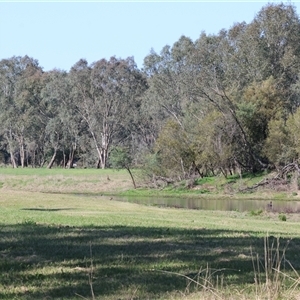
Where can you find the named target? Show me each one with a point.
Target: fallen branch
(279, 178)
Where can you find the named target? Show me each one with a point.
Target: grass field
(88, 181)
(63, 236)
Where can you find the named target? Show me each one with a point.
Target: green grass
(62, 232)
(45, 243)
(95, 181)
(54, 171)
(65, 180)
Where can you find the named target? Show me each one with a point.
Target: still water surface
(287, 206)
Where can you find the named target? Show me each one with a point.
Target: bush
(282, 217)
(256, 212)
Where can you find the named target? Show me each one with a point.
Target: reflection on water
(219, 204)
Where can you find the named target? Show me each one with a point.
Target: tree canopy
(224, 102)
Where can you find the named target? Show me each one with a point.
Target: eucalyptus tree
(282, 146)
(31, 84)
(9, 72)
(278, 146)
(176, 157)
(245, 73)
(106, 94)
(244, 69)
(278, 34)
(64, 128)
(19, 98)
(54, 109)
(173, 77)
(216, 84)
(166, 97)
(165, 72)
(267, 46)
(190, 70)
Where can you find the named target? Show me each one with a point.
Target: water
(286, 206)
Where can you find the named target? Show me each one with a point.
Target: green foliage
(211, 144)
(293, 127)
(174, 153)
(210, 180)
(256, 212)
(277, 146)
(282, 217)
(260, 103)
(119, 158)
(152, 165)
(282, 145)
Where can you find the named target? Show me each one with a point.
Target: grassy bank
(64, 180)
(94, 181)
(67, 242)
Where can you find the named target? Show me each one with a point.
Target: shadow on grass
(46, 209)
(40, 261)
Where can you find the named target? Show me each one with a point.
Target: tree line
(224, 103)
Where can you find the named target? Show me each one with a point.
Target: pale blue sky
(59, 34)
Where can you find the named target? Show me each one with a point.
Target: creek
(227, 204)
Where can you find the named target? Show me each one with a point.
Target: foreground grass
(63, 236)
(55, 246)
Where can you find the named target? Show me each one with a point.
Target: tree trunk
(13, 160)
(71, 158)
(12, 157)
(52, 159)
(100, 163)
(104, 145)
(103, 160)
(33, 159)
(133, 181)
(22, 155)
(9, 139)
(64, 159)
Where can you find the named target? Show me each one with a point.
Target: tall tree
(19, 99)
(64, 128)
(105, 94)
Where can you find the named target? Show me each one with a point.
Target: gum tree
(105, 95)
(20, 86)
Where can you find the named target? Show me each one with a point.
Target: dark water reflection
(287, 206)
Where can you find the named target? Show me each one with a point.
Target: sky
(58, 34)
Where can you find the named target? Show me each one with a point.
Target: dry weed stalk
(203, 280)
(268, 276)
(90, 276)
